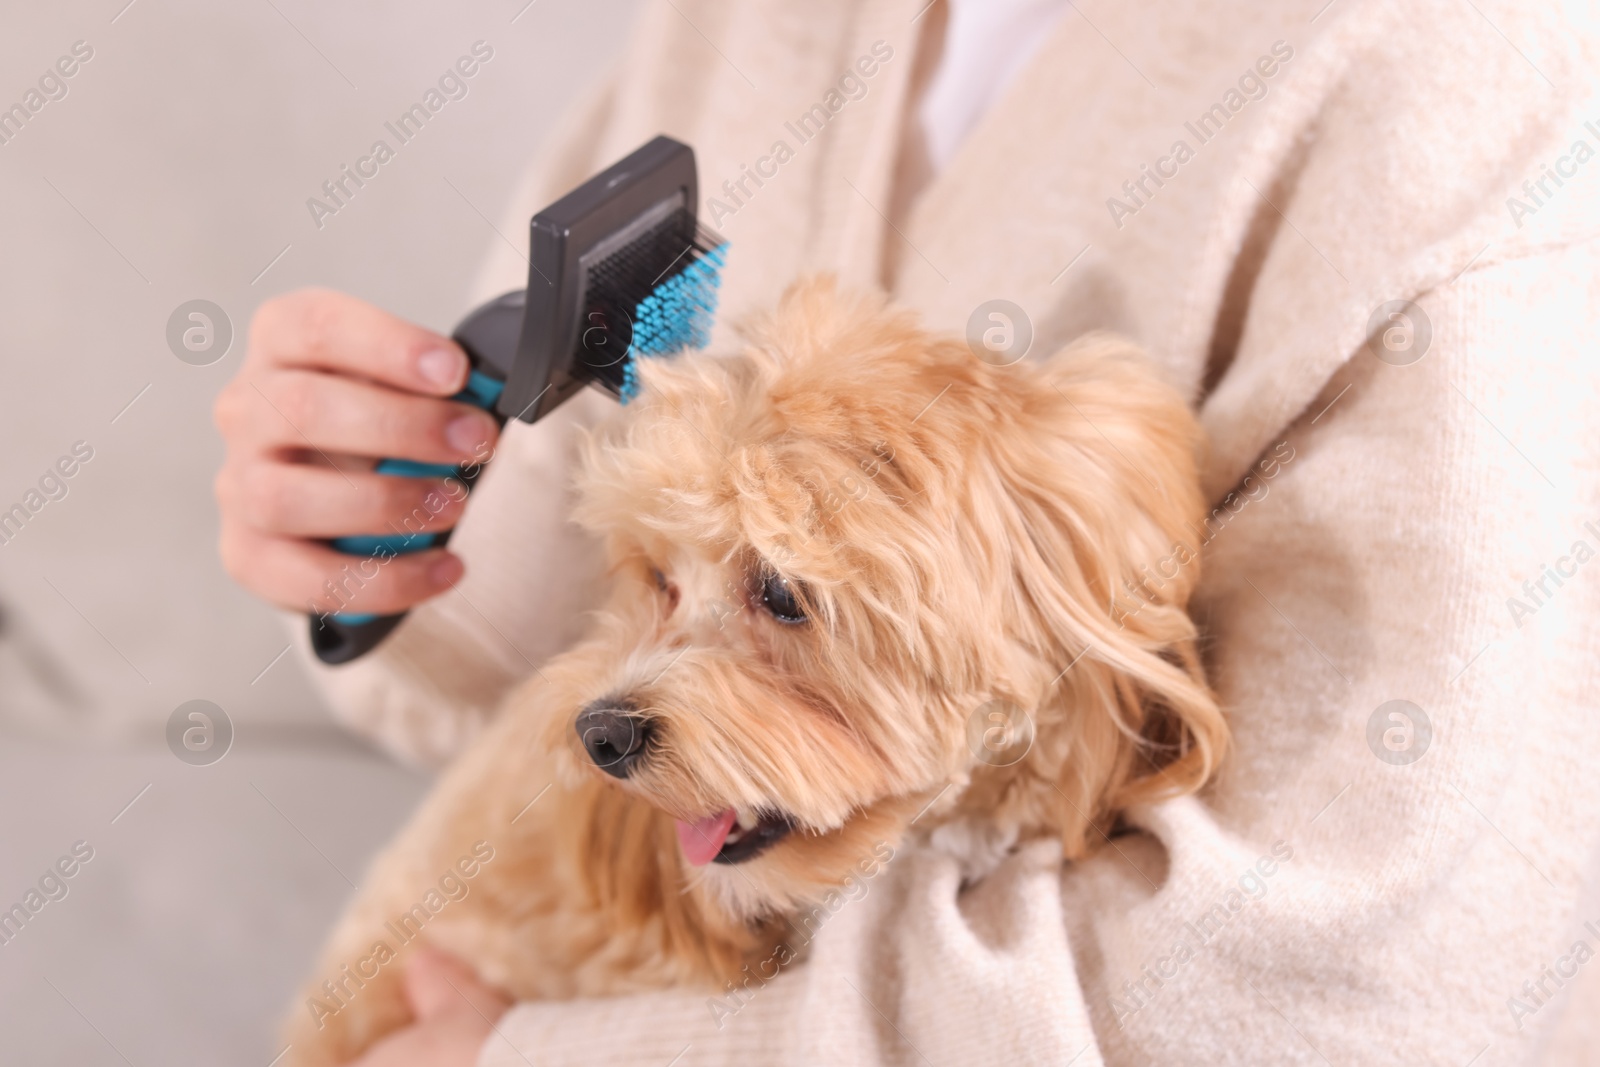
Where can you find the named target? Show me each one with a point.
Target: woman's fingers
(455, 1014)
(309, 576)
(437, 984)
(318, 329)
(329, 376)
(302, 500)
(297, 409)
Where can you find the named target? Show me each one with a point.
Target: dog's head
(863, 578)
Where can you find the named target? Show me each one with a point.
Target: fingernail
(441, 366)
(447, 571)
(469, 433)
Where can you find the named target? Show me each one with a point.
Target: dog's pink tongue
(703, 838)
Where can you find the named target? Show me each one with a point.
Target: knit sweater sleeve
(901, 968)
(1373, 879)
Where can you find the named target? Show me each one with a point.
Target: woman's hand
(455, 1015)
(329, 385)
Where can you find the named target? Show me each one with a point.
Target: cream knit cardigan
(1321, 904)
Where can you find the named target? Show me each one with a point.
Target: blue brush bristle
(677, 315)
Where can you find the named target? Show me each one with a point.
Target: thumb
(438, 984)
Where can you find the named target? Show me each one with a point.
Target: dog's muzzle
(614, 736)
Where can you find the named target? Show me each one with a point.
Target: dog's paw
(977, 845)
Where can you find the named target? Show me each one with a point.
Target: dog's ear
(1099, 509)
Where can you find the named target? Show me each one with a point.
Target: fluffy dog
(860, 580)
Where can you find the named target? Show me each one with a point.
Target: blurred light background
(177, 167)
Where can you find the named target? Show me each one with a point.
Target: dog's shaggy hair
(954, 534)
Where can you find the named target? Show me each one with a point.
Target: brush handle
(489, 337)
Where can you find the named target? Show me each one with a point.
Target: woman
(1363, 239)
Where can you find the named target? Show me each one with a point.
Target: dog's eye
(666, 587)
(779, 597)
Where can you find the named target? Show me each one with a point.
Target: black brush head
(596, 255)
(669, 259)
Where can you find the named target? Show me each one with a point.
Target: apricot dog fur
(952, 537)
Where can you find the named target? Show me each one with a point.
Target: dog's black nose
(614, 736)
